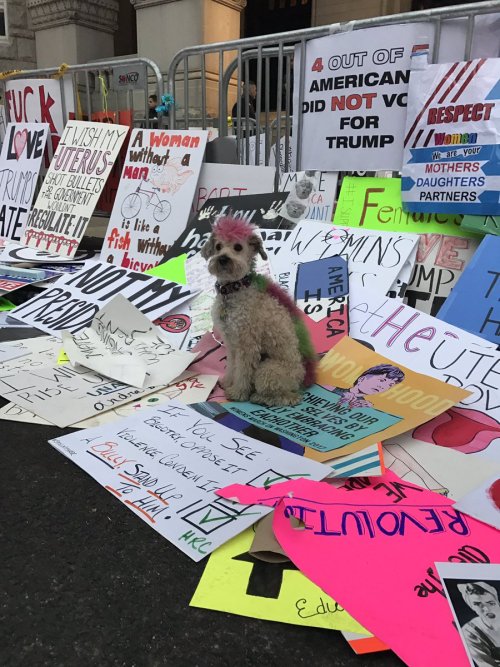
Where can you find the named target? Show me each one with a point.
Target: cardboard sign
(20, 161)
(369, 461)
(237, 582)
(230, 180)
(74, 299)
(474, 303)
(374, 258)
(166, 463)
(261, 210)
(40, 101)
(364, 398)
(72, 185)
(320, 200)
(443, 351)
(189, 389)
(473, 591)
(451, 162)
(355, 93)
(322, 293)
(154, 196)
(19, 254)
(483, 502)
(122, 344)
(375, 203)
(486, 224)
(357, 533)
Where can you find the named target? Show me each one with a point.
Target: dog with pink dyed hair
(270, 358)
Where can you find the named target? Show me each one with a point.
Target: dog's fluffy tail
(309, 357)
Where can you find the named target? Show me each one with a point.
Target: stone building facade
(17, 39)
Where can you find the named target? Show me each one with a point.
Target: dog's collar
(230, 288)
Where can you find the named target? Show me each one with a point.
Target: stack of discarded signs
(389, 468)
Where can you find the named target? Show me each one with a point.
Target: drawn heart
(20, 139)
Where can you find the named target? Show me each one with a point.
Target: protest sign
(379, 522)
(262, 210)
(443, 351)
(19, 254)
(33, 352)
(230, 180)
(364, 643)
(451, 162)
(319, 200)
(20, 162)
(63, 395)
(474, 301)
(154, 196)
(40, 101)
(236, 582)
(166, 464)
(437, 469)
(363, 463)
(284, 164)
(122, 344)
(375, 203)
(485, 224)
(322, 293)
(187, 389)
(483, 502)
(8, 353)
(72, 185)
(374, 258)
(12, 279)
(75, 298)
(364, 398)
(473, 591)
(355, 95)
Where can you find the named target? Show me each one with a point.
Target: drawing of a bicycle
(132, 204)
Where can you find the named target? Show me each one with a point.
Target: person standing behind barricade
(246, 111)
(152, 104)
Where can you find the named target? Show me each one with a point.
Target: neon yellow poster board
(173, 270)
(375, 203)
(62, 358)
(231, 583)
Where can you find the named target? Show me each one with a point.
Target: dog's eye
(238, 247)
(218, 247)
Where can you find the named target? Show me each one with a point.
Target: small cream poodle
(270, 358)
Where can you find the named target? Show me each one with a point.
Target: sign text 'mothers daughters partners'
(74, 181)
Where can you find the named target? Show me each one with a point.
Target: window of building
(3, 19)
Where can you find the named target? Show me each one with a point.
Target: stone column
(73, 31)
(167, 26)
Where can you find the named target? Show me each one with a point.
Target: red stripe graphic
(454, 82)
(428, 138)
(419, 134)
(469, 79)
(424, 108)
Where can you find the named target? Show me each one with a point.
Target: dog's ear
(209, 248)
(255, 242)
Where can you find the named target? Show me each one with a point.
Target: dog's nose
(223, 260)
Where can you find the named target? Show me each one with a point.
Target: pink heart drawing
(20, 139)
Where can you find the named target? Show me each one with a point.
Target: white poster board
(165, 464)
(72, 185)
(355, 95)
(154, 196)
(20, 161)
(231, 180)
(320, 200)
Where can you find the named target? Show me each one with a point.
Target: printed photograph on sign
(318, 201)
(473, 592)
(452, 137)
(20, 161)
(355, 96)
(72, 185)
(154, 197)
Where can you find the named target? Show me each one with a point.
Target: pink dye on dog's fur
(229, 229)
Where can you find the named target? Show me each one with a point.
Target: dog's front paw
(234, 393)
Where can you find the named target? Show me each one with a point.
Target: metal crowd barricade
(232, 61)
(88, 92)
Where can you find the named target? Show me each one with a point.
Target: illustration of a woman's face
(487, 608)
(374, 384)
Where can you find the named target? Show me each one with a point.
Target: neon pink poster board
(371, 545)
